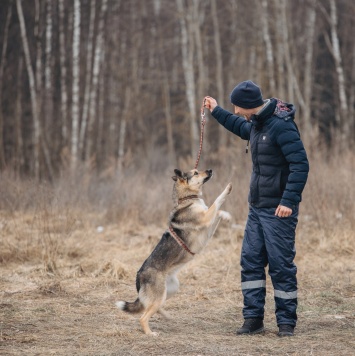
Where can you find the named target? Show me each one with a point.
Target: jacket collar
(265, 113)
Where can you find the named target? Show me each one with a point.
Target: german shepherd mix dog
(191, 225)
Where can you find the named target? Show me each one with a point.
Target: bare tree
(286, 49)
(280, 58)
(31, 79)
(75, 85)
(38, 67)
(95, 78)
(351, 115)
(308, 75)
(268, 45)
(48, 68)
(219, 70)
(100, 117)
(90, 61)
(335, 47)
(2, 66)
(202, 70)
(113, 80)
(123, 127)
(187, 49)
(166, 98)
(63, 75)
(88, 70)
(19, 158)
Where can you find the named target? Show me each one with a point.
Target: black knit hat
(247, 95)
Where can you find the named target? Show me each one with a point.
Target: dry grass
(69, 251)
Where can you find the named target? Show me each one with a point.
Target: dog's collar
(188, 198)
(179, 241)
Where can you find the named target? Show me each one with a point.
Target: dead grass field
(69, 309)
(61, 275)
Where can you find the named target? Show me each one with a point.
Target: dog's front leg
(221, 215)
(212, 213)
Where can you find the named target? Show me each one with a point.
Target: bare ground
(60, 278)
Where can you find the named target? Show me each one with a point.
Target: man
(280, 170)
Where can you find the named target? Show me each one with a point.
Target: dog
(191, 225)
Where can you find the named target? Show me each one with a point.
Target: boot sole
(258, 331)
(283, 334)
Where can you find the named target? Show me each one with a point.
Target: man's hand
(283, 211)
(209, 103)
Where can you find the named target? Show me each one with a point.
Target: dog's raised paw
(225, 215)
(229, 188)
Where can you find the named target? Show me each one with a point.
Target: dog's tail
(129, 307)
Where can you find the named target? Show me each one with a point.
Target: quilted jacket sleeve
(288, 138)
(236, 124)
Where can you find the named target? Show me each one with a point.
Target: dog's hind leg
(164, 313)
(172, 287)
(149, 312)
(154, 296)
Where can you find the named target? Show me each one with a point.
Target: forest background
(100, 101)
(113, 83)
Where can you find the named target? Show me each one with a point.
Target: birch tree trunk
(280, 58)
(32, 84)
(342, 117)
(202, 75)
(166, 99)
(38, 36)
(293, 86)
(2, 66)
(63, 75)
(38, 31)
(168, 120)
(168, 115)
(19, 159)
(113, 83)
(89, 54)
(268, 45)
(308, 71)
(136, 65)
(286, 49)
(119, 154)
(222, 134)
(95, 79)
(187, 64)
(48, 70)
(75, 88)
(122, 130)
(351, 134)
(100, 115)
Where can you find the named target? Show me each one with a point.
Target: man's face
(247, 113)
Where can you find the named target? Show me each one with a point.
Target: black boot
(286, 330)
(251, 326)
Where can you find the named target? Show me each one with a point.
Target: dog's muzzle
(209, 173)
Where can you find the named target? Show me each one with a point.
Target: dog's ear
(179, 175)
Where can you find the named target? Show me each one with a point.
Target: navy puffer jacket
(280, 164)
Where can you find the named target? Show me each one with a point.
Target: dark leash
(203, 122)
(174, 234)
(171, 230)
(179, 241)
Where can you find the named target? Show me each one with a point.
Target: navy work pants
(269, 240)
